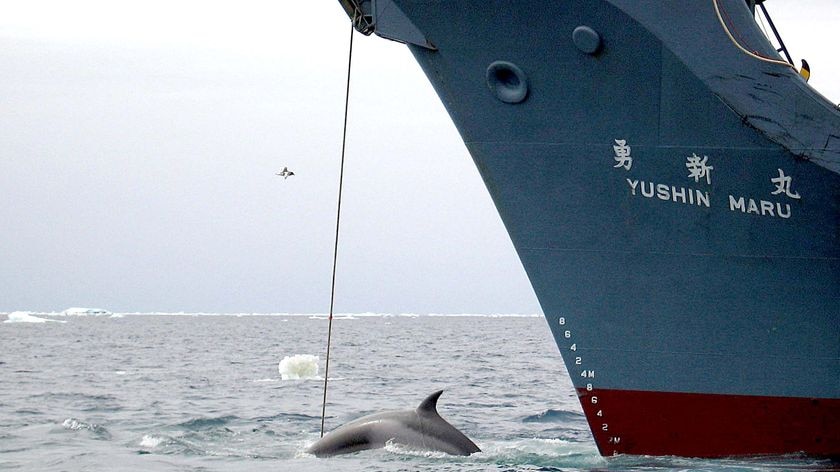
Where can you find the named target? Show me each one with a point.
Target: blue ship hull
(675, 203)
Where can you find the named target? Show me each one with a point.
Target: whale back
(422, 428)
(438, 434)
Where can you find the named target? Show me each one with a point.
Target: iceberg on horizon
(77, 311)
(26, 317)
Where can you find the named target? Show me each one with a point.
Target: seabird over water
(285, 173)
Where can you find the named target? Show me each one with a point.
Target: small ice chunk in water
(300, 366)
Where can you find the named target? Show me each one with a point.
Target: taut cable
(337, 226)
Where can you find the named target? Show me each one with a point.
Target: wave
(80, 402)
(537, 452)
(287, 418)
(97, 431)
(197, 424)
(202, 436)
(486, 315)
(405, 450)
(418, 315)
(171, 445)
(554, 416)
(151, 442)
(199, 444)
(319, 316)
(516, 454)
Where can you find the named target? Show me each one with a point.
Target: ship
(671, 185)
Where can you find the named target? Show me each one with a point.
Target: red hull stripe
(710, 425)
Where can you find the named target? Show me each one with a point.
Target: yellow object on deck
(805, 71)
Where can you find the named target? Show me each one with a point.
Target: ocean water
(203, 392)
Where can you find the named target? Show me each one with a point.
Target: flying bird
(285, 173)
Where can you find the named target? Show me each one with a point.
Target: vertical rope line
(337, 226)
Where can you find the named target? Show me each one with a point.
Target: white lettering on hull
(683, 195)
(700, 170)
(760, 208)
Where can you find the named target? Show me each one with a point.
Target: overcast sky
(139, 143)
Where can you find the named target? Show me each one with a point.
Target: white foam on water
(579, 454)
(406, 450)
(299, 366)
(97, 431)
(151, 441)
(302, 449)
(74, 425)
(26, 317)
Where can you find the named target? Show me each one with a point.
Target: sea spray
(96, 431)
(151, 441)
(299, 366)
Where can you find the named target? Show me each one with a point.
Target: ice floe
(27, 317)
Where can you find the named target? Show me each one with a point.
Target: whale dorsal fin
(429, 405)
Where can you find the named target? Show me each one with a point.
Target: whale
(422, 428)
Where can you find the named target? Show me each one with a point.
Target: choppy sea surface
(204, 392)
